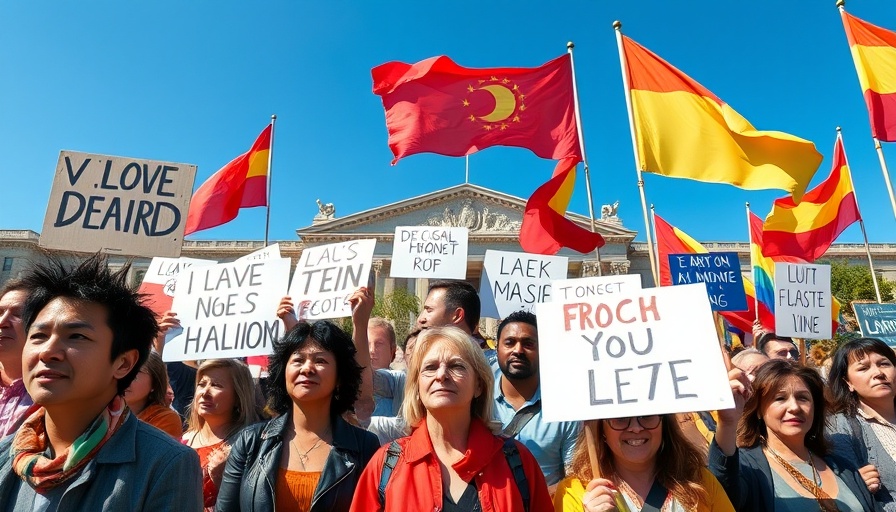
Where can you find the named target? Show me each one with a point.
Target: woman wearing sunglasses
(645, 463)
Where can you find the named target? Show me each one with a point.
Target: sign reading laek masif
(641, 352)
(227, 310)
(514, 281)
(117, 205)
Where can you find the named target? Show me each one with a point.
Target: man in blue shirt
(518, 398)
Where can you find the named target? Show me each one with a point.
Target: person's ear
(124, 363)
(458, 317)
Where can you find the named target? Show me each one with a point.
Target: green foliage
(853, 282)
(402, 308)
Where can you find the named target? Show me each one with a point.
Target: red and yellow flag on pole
(242, 183)
(808, 229)
(683, 130)
(874, 54)
(437, 106)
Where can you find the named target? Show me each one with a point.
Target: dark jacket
(747, 478)
(248, 483)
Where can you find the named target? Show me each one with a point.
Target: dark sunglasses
(646, 422)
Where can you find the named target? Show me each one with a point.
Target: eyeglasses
(646, 422)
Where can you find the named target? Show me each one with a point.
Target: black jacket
(248, 483)
(747, 478)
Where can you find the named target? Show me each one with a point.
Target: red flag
(545, 228)
(240, 184)
(436, 106)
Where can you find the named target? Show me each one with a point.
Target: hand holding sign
(327, 275)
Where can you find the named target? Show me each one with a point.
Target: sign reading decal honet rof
(638, 352)
(117, 205)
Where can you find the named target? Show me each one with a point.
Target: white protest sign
(650, 351)
(227, 310)
(327, 275)
(271, 252)
(595, 286)
(513, 281)
(160, 280)
(117, 205)
(803, 300)
(429, 252)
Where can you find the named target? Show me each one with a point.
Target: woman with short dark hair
(309, 457)
(770, 453)
(862, 425)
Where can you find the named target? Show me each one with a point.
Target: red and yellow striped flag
(685, 131)
(874, 54)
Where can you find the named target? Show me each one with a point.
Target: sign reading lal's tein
(429, 252)
(117, 205)
(228, 310)
(327, 275)
(803, 300)
(623, 354)
(514, 281)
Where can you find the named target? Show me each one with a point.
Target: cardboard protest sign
(594, 287)
(429, 252)
(877, 321)
(160, 280)
(721, 273)
(271, 252)
(650, 351)
(803, 300)
(327, 275)
(513, 281)
(117, 205)
(227, 310)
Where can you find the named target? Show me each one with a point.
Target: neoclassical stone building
(492, 217)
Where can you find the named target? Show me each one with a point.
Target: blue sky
(195, 82)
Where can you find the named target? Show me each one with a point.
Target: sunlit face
(788, 411)
(12, 330)
(751, 363)
(382, 351)
(215, 395)
(137, 393)
(434, 313)
(517, 351)
(409, 347)
(447, 381)
(634, 446)
(871, 376)
(777, 349)
(311, 373)
(67, 356)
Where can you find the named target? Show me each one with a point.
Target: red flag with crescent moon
(436, 106)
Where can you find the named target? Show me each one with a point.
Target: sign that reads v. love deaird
(639, 352)
(117, 205)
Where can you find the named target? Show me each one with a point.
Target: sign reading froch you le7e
(721, 273)
(803, 300)
(513, 281)
(429, 252)
(640, 352)
(327, 275)
(117, 205)
(227, 310)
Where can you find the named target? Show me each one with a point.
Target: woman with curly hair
(643, 460)
(309, 457)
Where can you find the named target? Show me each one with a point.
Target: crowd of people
(91, 418)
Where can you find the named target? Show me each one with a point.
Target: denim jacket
(251, 471)
(139, 468)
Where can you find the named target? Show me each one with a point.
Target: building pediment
(488, 214)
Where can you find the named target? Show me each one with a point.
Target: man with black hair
(14, 398)
(777, 347)
(80, 448)
(518, 398)
(451, 302)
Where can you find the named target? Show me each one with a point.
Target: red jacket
(416, 481)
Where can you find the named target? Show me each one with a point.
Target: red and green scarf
(29, 447)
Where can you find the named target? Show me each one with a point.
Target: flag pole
(575, 98)
(653, 224)
(877, 146)
(267, 218)
(861, 220)
(617, 25)
(467, 170)
(752, 266)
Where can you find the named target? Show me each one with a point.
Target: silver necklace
(303, 457)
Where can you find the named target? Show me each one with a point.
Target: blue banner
(721, 273)
(877, 321)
